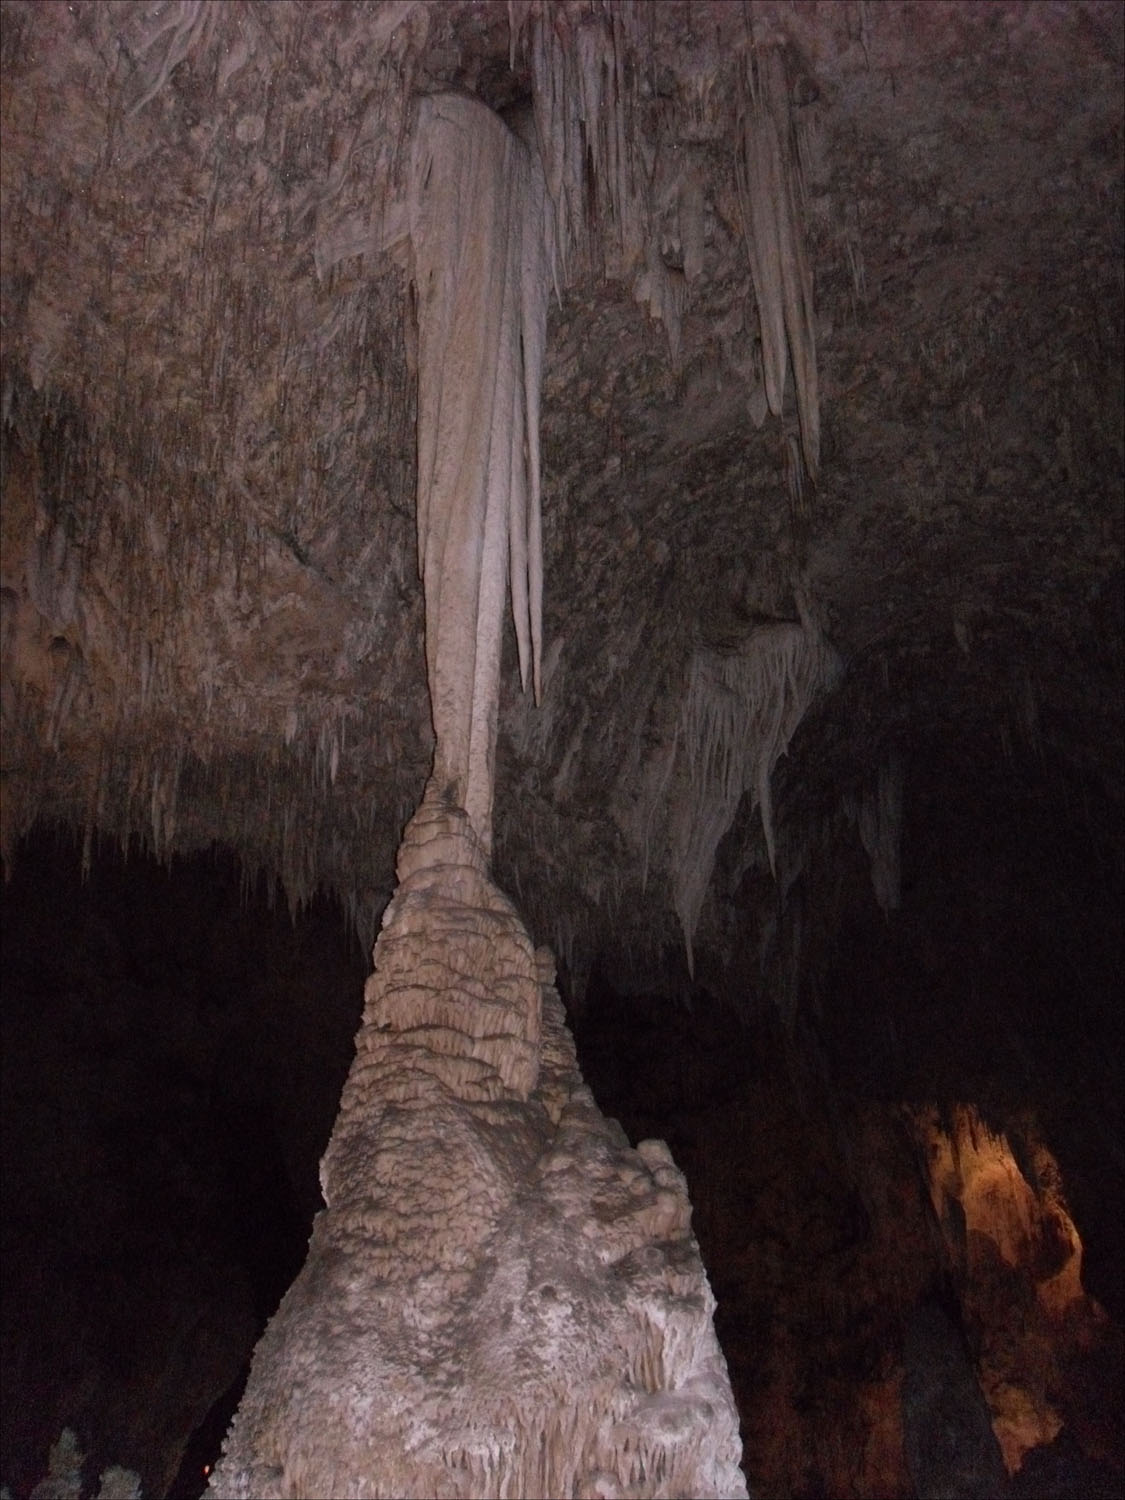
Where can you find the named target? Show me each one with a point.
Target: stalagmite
(501, 1297)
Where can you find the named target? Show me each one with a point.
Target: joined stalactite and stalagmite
(501, 1296)
(485, 1229)
(208, 583)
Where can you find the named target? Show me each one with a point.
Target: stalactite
(690, 214)
(479, 230)
(188, 22)
(584, 108)
(741, 710)
(770, 196)
(879, 818)
(665, 291)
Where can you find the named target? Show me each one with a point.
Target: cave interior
(821, 810)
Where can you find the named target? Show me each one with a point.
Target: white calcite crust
(501, 1297)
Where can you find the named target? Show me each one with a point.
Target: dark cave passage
(999, 980)
(174, 1046)
(986, 1009)
(173, 1052)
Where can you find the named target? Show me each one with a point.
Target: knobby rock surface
(501, 1295)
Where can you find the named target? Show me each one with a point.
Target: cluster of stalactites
(740, 712)
(585, 124)
(599, 168)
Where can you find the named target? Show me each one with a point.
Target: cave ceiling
(212, 619)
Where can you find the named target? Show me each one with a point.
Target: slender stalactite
(770, 192)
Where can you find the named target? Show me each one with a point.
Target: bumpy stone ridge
(501, 1297)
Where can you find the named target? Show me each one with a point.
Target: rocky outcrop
(901, 1294)
(501, 1297)
(998, 1198)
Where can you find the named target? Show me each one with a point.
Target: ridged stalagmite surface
(501, 1297)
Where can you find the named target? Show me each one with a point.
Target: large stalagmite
(501, 1297)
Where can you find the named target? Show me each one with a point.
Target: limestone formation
(270, 272)
(478, 232)
(769, 183)
(501, 1297)
(742, 707)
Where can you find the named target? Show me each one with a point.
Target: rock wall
(501, 1297)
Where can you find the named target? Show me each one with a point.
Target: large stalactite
(479, 226)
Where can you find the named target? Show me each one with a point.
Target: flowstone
(501, 1297)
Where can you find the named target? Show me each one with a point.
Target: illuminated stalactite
(999, 1200)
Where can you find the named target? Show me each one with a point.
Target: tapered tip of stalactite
(535, 675)
(765, 809)
(811, 455)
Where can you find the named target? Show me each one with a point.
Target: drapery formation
(741, 710)
(478, 222)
